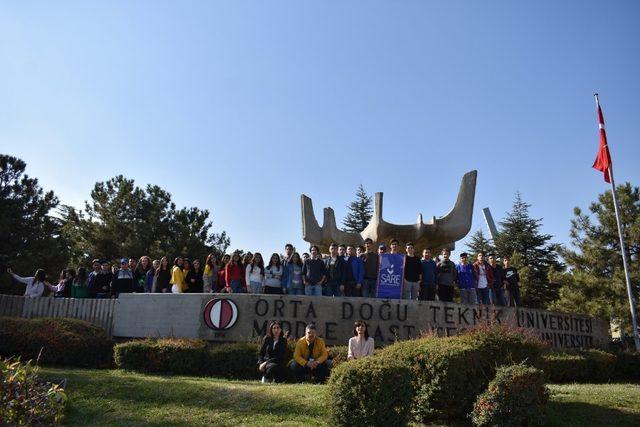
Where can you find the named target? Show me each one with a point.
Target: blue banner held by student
(390, 276)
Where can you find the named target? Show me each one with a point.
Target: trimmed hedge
(69, 342)
(627, 367)
(450, 372)
(579, 366)
(516, 397)
(177, 356)
(235, 361)
(338, 354)
(370, 392)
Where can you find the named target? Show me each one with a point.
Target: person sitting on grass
(310, 357)
(272, 363)
(360, 344)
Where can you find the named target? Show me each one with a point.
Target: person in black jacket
(193, 279)
(272, 354)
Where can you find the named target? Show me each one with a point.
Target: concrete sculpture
(436, 233)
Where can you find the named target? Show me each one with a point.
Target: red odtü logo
(220, 314)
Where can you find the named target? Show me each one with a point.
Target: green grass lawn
(112, 397)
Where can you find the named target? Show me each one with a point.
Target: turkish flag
(603, 159)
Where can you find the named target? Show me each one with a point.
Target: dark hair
(342, 245)
(81, 278)
(299, 263)
(211, 258)
(314, 246)
(480, 253)
(368, 240)
(271, 325)
(159, 269)
(139, 266)
(95, 261)
(185, 261)
(39, 276)
(260, 264)
(360, 247)
(288, 245)
(278, 263)
(236, 254)
(71, 272)
(333, 245)
(366, 328)
(409, 244)
(175, 261)
(394, 241)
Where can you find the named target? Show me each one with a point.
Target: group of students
(310, 356)
(346, 271)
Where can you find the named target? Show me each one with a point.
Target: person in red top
(234, 275)
(484, 278)
(222, 280)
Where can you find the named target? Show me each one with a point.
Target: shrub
(27, 400)
(177, 356)
(338, 354)
(627, 366)
(63, 341)
(236, 361)
(515, 397)
(370, 392)
(450, 372)
(579, 366)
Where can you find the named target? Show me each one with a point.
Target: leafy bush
(178, 356)
(63, 341)
(27, 400)
(515, 397)
(236, 361)
(338, 354)
(450, 372)
(627, 366)
(579, 366)
(370, 392)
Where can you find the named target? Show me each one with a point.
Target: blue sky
(239, 107)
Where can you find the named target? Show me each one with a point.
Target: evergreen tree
(360, 212)
(30, 236)
(123, 219)
(520, 236)
(479, 243)
(595, 282)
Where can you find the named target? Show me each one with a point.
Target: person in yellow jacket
(177, 277)
(310, 357)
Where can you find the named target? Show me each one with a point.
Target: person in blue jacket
(354, 274)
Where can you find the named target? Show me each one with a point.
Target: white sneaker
(264, 379)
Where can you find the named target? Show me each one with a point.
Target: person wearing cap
(446, 277)
(123, 281)
(412, 273)
(371, 266)
(466, 280)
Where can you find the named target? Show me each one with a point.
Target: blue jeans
(483, 296)
(331, 289)
(296, 291)
(499, 298)
(236, 287)
(256, 287)
(313, 290)
(369, 288)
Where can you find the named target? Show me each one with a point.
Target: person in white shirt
(35, 284)
(254, 274)
(361, 344)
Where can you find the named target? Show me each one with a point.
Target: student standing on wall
(293, 275)
(91, 280)
(143, 284)
(254, 274)
(163, 277)
(314, 273)
(512, 282)
(498, 281)
(234, 275)
(273, 276)
(103, 280)
(286, 259)
(467, 282)
(193, 278)
(412, 273)
(354, 274)
(222, 273)
(446, 277)
(428, 285)
(177, 276)
(335, 266)
(123, 280)
(210, 274)
(35, 285)
(484, 276)
(371, 265)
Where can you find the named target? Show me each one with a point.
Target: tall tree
(520, 235)
(30, 236)
(479, 243)
(360, 212)
(123, 219)
(595, 282)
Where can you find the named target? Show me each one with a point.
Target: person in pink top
(361, 344)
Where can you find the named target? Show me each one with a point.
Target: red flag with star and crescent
(603, 159)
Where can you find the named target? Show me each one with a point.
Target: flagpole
(627, 276)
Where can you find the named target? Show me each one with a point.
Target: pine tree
(595, 282)
(520, 237)
(479, 243)
(360, 212)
